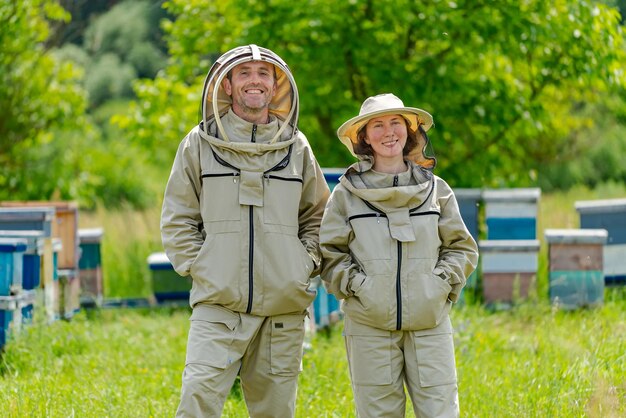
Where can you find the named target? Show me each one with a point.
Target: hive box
(11, 265)
(10, 318)
(469, 205)
(509, 269)
(34, 223)
(610, 215)
(167, 285)
(14, 311)
(90, 265)
(64, 227)
(576, 266)
(511, 214)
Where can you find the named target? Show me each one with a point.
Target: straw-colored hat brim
(349, 130)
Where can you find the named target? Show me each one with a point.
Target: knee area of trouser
(435, 360)
(369, 354)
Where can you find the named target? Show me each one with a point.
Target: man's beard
(252, 110)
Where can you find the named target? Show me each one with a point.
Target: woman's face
(387, 136)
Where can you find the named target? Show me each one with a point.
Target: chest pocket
(426, 227)
(220, 196)
(281, 200)
(371, 237)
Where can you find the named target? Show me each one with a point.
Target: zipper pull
(235, 177)
(395, 180)
(378, 218)
(253, 139)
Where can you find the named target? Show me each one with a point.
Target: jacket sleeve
(312, 202)
(458, 254)
(339, 269)
(181, 219)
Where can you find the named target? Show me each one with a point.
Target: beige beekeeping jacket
(244, 202)
(398, 256)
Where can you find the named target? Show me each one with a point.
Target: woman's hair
(363, 148)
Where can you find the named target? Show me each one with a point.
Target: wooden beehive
(609, 214)
(509, 268)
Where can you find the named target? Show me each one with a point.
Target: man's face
(251, 86)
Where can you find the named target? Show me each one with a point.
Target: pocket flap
(214, 313)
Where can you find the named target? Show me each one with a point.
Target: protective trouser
(382, 362)
(265, 351)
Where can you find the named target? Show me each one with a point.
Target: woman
(398, 253)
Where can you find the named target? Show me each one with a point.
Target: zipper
(399, 290)
(368, 215)
(378, 214)
(271, 176)
(395, 180)
(253, 139)
(213, 175)
(250, 262)
(282, 164)
(430, 212)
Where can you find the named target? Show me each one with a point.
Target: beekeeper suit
(397, 252)
(241, 215)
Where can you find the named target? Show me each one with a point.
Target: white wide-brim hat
(381, 105)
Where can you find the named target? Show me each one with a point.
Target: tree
(502, 79)
(38, 94)
(49, 148)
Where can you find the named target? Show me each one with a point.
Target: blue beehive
(11, 265)
(469, 201)
(331, 175)
(33, 223)
(469, 204)
(32, 265)
(608, 214)
(576, 264)
(511, 213)
(10, 317)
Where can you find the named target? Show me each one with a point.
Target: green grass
(531, 361)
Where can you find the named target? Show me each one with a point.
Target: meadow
(530, 361)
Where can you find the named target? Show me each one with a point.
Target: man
(241, 215)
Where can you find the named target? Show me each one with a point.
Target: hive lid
(512, 195)
(509, 245)
(158, 259)
(576, 236)
(90, 235)
(600, 205)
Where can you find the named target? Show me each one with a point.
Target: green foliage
(41, 101)
(129, 30)
(595, 155)
(502, 79)
(163, 113)
(49, 147)
(109, 78)
(123, 46)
